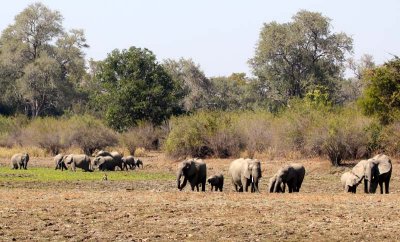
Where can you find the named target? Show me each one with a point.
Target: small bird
(105, 177)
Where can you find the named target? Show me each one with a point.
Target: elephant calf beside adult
(245, 173)
(375, 171)
(216, 181)
(194, 171)
(291, 175)
(350, 182)
(20, 161)
(59, 162)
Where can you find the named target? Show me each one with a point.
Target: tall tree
(195, 85)
(292, 58)
(40, 63)
(134, 87)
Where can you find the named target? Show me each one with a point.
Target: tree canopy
(134, 87)
(381, 96)
(39, 62)
(293, 58)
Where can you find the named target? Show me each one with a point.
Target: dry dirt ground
(157, 211)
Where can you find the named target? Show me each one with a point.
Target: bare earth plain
(154, 209)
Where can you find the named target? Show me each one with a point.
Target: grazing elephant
(350, 182)
(115, 155)
(129, 162)
(60, 164)
(80, 161)
(20, 161)
(105, 163)
(291, 175)
(194, 171)
(245, 172)
(139, 163)
(271, 185)
(216, 181)
(374, 171)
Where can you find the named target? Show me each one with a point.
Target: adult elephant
(115, 155)
(375, 171)
(245, 173)
(60, 164)
(20, 161)
(104, 163)
(129, 162)
(291, 175)
(194, 171)
(78, 161)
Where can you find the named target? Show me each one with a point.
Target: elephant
(105, 163)
(216, 181)
(375, 171)
(129, 162)
(20, 161)
(245, 172)
(139, 163)
(115, 155)
(271, 185)
(60, 164)
(80, 161)
(350, 182)
(194, 171)
(291, 175)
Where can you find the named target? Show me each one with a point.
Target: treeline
(298, 69)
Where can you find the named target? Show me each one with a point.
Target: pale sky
(220, 35)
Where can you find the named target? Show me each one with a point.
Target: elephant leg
(245, 184)
(203, 185)
(381, 186)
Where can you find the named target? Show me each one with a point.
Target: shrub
(145, 135)
(90, 134)
(10, 130)
(390, 139)
(47, 133)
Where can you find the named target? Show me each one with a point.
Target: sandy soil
(157, 211)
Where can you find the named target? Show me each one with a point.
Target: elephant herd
(246, 173)
(103, 161)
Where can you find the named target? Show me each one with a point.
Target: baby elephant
(216, 181)
(350, 181)
(20, 161)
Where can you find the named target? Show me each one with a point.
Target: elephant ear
(359, 169)
(384, 164)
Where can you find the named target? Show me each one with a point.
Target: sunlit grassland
(42, 174)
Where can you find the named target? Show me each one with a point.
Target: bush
(390, 139)
(11, 130)
(90, 134)
(145, 135)
(203, 134)
(50, 134)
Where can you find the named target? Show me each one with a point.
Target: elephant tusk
(252, 179)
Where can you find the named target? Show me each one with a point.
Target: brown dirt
(156, 211)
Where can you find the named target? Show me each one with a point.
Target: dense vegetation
(297, 103)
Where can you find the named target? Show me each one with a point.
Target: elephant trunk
(278, 184)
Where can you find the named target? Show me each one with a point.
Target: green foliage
(194, 86)
(134, 87)
(381, 97)
(40, 63)
(292, 58)
(202, 134)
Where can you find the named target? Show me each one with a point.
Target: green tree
(134, 87)
(40, 63)
(381, 96)
(292, 58)
(196, 87)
